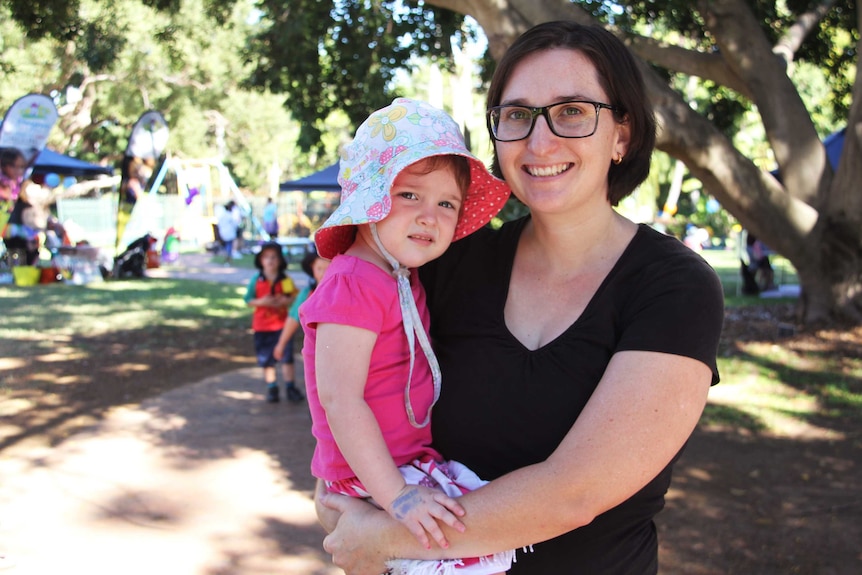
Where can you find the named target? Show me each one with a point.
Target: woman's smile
(547, 171)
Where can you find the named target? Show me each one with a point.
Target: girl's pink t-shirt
(359, 294)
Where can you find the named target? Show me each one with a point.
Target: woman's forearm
(637, 420)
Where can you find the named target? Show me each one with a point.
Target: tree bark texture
(809, 214)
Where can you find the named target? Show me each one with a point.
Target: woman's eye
(571, 111)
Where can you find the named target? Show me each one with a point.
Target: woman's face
(546, 172)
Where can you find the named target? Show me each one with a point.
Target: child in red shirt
(270, 292)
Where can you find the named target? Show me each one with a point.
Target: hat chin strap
(412, 326)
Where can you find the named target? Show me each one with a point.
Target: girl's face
(421, 223)
(318, 268)
(546, 172)
(269, 261)
(15, 171)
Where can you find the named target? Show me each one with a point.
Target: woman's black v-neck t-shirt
(504, 406)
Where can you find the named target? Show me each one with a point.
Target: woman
(577, 348)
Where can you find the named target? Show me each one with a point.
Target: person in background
(578, 347)
(314, 266)
(137, 174)
(26, 223)
(758, 263)
(13, 165)
(409, 188)
(270, 292)
(270, 219)
(227, 224)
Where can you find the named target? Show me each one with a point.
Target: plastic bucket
(26, 275)
(49, 275)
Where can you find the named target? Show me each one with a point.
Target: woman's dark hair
(619, 77)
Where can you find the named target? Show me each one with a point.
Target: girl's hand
(419, 508)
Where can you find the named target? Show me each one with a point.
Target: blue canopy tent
(50, 161)
(326, 180)
(834, 146)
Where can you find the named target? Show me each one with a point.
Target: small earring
(618, 160)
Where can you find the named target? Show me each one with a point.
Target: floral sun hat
(391, 139)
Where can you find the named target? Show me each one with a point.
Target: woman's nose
(541, 136)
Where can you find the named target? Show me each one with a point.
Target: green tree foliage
(340, 55)
(128, 56)
(756, 65)
(830, 47)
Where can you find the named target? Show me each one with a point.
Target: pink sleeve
(352, 300)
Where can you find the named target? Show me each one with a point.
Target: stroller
(133, 261)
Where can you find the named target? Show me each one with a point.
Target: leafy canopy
(327, 56)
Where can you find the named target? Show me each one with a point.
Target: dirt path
(202, 477)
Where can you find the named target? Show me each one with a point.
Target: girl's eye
(447, 205)
(407, 195)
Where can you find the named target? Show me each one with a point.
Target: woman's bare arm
(637, 420)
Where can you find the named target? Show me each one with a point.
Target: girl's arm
(342, 360)
(640, 416)
(269, 300)
(290, 327)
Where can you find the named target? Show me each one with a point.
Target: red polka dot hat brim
(484, 199)
(391, 139)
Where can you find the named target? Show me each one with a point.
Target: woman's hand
(346, 541)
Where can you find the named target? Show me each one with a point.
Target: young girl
(270, 292)
(409, 188)
(13, 165)
(314, 266)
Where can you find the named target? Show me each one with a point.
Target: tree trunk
(812, 216)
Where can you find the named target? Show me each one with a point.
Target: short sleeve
(300, 299)
(355, 297)
(250, 290)
(677, 308)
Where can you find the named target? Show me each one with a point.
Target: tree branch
(787, 122)
(691, 62)
(792, 39)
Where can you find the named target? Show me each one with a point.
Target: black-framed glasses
(570, 119)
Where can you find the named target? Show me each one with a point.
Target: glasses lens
(573, 119)
(511, 122)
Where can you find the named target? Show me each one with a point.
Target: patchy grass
(72, 352)
(805, 385)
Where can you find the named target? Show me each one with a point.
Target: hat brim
(484, 199)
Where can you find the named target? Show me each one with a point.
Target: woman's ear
(624, 135)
